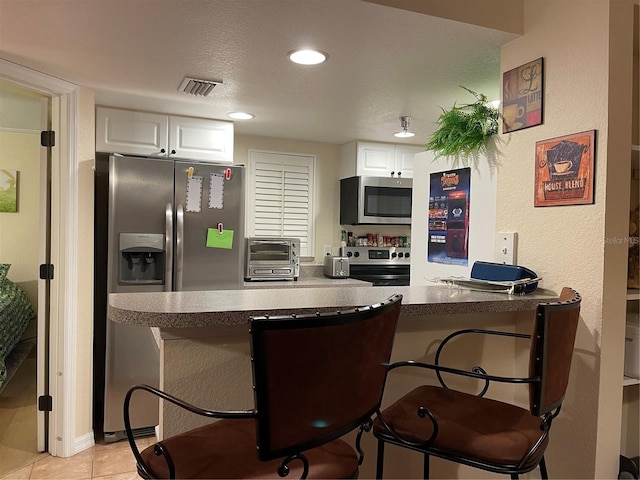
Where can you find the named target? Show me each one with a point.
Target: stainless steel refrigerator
(161, 225)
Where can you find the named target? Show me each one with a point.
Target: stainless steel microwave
(375, 200)
(272, 258)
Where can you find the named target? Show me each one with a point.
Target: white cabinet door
(201, 139)
(135, 133)
(376, 159)
(404, 159)
(158, 135)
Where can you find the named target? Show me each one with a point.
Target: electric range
(381, 266)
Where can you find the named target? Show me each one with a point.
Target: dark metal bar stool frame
(357, 346)
(541, 405)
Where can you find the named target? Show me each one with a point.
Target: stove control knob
(393, 255)
(401, 255)
(406, 255)
(349, 254)
(356, 254)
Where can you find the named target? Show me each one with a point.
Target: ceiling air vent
(197, 87)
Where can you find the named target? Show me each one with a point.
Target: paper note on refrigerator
(193, 202)
(216, 190)
(217, 239)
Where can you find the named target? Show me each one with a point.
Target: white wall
(20, 150)
(586, 48)
(505, 15)
(84, 348)
(482, 217)
(19, 108)
(327, 199)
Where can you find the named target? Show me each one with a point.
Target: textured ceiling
(383, 62)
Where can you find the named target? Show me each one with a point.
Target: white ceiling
(383, 62)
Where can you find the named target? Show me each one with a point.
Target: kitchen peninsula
(204, 343)
(233, 307)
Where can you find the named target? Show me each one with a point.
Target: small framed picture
(565, 170)
(8, 190)
(522, 96)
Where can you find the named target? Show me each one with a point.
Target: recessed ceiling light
(307, 57)
(240, 115)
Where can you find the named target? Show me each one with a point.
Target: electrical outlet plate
(506, 247)
(327, 250)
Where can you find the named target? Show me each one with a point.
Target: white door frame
(64, 234)
(46, 112)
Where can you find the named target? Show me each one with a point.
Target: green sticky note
(215, 239)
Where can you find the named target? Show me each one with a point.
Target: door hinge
(46, 271)
(48, 138)
(45, 403)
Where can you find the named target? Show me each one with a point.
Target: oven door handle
(269, 242)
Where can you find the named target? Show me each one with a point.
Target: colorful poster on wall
(448, 240)
(565, 170)
(522, 96)
(8, 190)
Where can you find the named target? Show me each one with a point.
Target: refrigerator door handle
(179, 247)
(168, 248)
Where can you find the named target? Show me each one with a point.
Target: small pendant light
(404, 124)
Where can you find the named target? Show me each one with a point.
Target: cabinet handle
(399, 174)
(162, 150)
(173, 152)
(393, 173)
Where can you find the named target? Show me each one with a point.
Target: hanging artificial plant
(463, 131)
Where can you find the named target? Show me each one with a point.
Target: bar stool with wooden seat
(316, 378)
(480, 432)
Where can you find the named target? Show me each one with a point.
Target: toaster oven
(272, 258)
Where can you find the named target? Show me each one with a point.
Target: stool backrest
(551, 351)
(317, 377)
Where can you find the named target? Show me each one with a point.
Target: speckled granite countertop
(233, 307)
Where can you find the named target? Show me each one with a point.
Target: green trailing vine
(463, 131)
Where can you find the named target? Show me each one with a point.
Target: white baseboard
(82, 443)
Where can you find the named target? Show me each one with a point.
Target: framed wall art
(565, 170)
(522, 96)
(8, 190)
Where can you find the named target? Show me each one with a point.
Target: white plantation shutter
(281, 197)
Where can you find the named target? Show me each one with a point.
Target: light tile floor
(100, 462)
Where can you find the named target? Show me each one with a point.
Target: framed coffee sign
(565, 170)
(522, 96)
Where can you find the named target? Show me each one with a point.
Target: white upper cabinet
(404, 158)
(159, 135)
(201, 139)
(377, 159)
(135, 133)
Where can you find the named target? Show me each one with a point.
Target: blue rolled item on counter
(500, 272)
